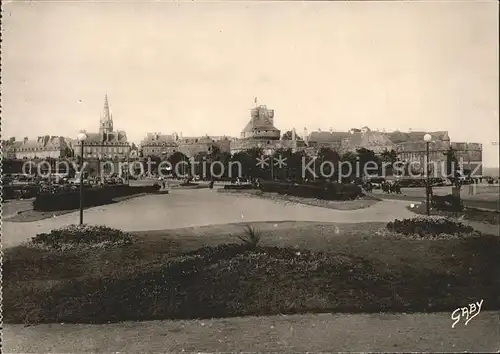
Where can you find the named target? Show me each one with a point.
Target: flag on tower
(255, 100)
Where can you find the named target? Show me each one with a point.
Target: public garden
(199, 254)
(272, 247)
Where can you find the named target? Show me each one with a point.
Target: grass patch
(295, 267)
(359, 203)
(34, 215)
(31, 215)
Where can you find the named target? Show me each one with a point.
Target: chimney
(293, 134)
(25, 139)
(331, 130)
(305, 137)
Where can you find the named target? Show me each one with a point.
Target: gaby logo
(467, 313)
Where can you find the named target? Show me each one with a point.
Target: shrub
(251, 238)
(76, 235)
(428, 227)
(238, 186)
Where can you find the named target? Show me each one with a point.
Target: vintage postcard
(250, 176)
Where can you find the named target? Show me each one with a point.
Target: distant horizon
(195, 67)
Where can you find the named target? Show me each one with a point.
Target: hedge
(16, 192)
(238, 186)
(92, 197)
(326, 191)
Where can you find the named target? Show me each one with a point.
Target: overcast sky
(195, 67)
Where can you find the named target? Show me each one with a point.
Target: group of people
(391, 187)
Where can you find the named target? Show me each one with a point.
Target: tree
(68, 152)
(369, 163)
(389, 158)
(201, 159)
(330, 160)
(282, 170)
(180, 164)
(294, 165)
(248, 161)
(348, 168)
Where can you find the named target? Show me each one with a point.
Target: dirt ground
(300, 333)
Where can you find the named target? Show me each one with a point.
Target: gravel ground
(300, 333)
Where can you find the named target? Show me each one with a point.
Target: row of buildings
(259, 132)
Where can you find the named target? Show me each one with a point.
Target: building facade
(470, 157)
(107, 144)
(159, 145)
(260, 132)
(42, 147)
(163, 145)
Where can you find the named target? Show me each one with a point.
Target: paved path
(185, 208)
(299, 333)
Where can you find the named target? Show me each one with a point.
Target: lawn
(28, 214)
(355, 204)
(202, 273)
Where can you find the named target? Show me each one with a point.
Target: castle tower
(106, 122)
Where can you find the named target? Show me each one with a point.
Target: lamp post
(81, 138)
(427, 139)
(128, 164)
(259, 146)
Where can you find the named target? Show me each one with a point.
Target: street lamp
(81, 138)
(128, 164)
(427, 139)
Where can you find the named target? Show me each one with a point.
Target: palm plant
(251, 238)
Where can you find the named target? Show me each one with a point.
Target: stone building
(331, 139)
(162, 145)
(260, 132)
(366, 138)
(470, 157)
(414, 150)
(158, 144)
(40, 148)
(107, 143)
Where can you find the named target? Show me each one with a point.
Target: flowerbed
(82, 235)
(430, 227)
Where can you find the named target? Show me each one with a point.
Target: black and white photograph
(250, 176)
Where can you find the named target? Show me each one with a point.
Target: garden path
(187, 208)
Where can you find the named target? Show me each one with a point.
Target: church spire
(106, 118)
